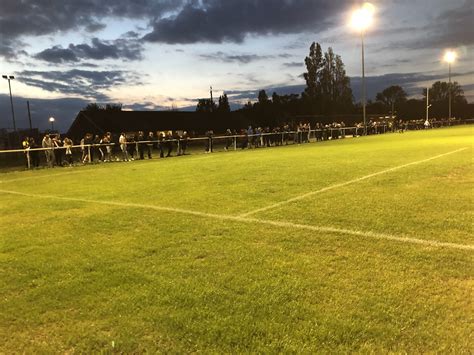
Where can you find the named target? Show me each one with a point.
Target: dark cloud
(293, 64)
(240, 58)
(9, 49)
(40, 17)
(232, 58)
(121, 48)
(232, 20)
(450, 29)
(411, 82)
(90, 84)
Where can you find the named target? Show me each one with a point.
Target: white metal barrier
(183, 145)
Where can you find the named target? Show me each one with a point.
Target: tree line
(328, 93)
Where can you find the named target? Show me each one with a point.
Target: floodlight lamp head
(450, 56)
(363, 17)
(51, 119)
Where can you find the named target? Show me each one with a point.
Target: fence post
(89, 153)
(235, 142)
(179, 151)
(28, 158)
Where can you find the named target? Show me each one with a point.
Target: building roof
(101, 121)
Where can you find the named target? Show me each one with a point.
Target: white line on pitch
(331, 187)
(432, 243)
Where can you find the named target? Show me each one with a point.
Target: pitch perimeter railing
(29, 158)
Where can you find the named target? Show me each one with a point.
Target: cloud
(83, 83)
(450, 29)
(240, 58)
(121, 48)
(9, 49)
(293, 64)
(232, 58)
(411, 82)
(232, 20)
(39, 17)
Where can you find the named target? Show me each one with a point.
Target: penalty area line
(249, 220)
(342, 184)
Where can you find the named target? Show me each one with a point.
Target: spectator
(169, 143)
(149, 144)
(228, 141)
(34, 154)
(184, 142)
(161, 143)
(58, 152)
(47, 145)
(209, 142)
(141, 145)
(123, 146)
(68, 150)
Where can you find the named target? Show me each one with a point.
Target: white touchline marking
(425, 242)
(331, 187)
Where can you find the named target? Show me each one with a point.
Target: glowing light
(363, 17)
(450, 56)
(51, 119)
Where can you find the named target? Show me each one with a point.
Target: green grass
(87, 277)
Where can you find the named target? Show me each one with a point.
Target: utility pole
(11, 77)
(29, 115)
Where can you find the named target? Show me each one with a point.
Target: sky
(163, 54)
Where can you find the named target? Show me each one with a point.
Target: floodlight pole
(11, 77)
(363, 84)
(449, 89)
(427, 103)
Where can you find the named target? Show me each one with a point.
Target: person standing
(107, 141)
(169, 143)
(26, 146)
(47, 145)
(141, 145)
(149, 144)
(161, 143)
(228, 141)
(123, 146)
(184, 142)
(58, 152)
(209, 135)
(97, 151)
(67, 143)
(34, 153)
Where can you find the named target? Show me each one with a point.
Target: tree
(391, 97)
(224, 106)
(328, 87)
(113, 107)
(92, 107)
(440, 92)
(336, 92)
(314, 63)
(206, 105)
(439, 96)
(263, 97)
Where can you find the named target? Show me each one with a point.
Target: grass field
(361, 245)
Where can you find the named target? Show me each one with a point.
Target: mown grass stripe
(290, 225)
(342, 184)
